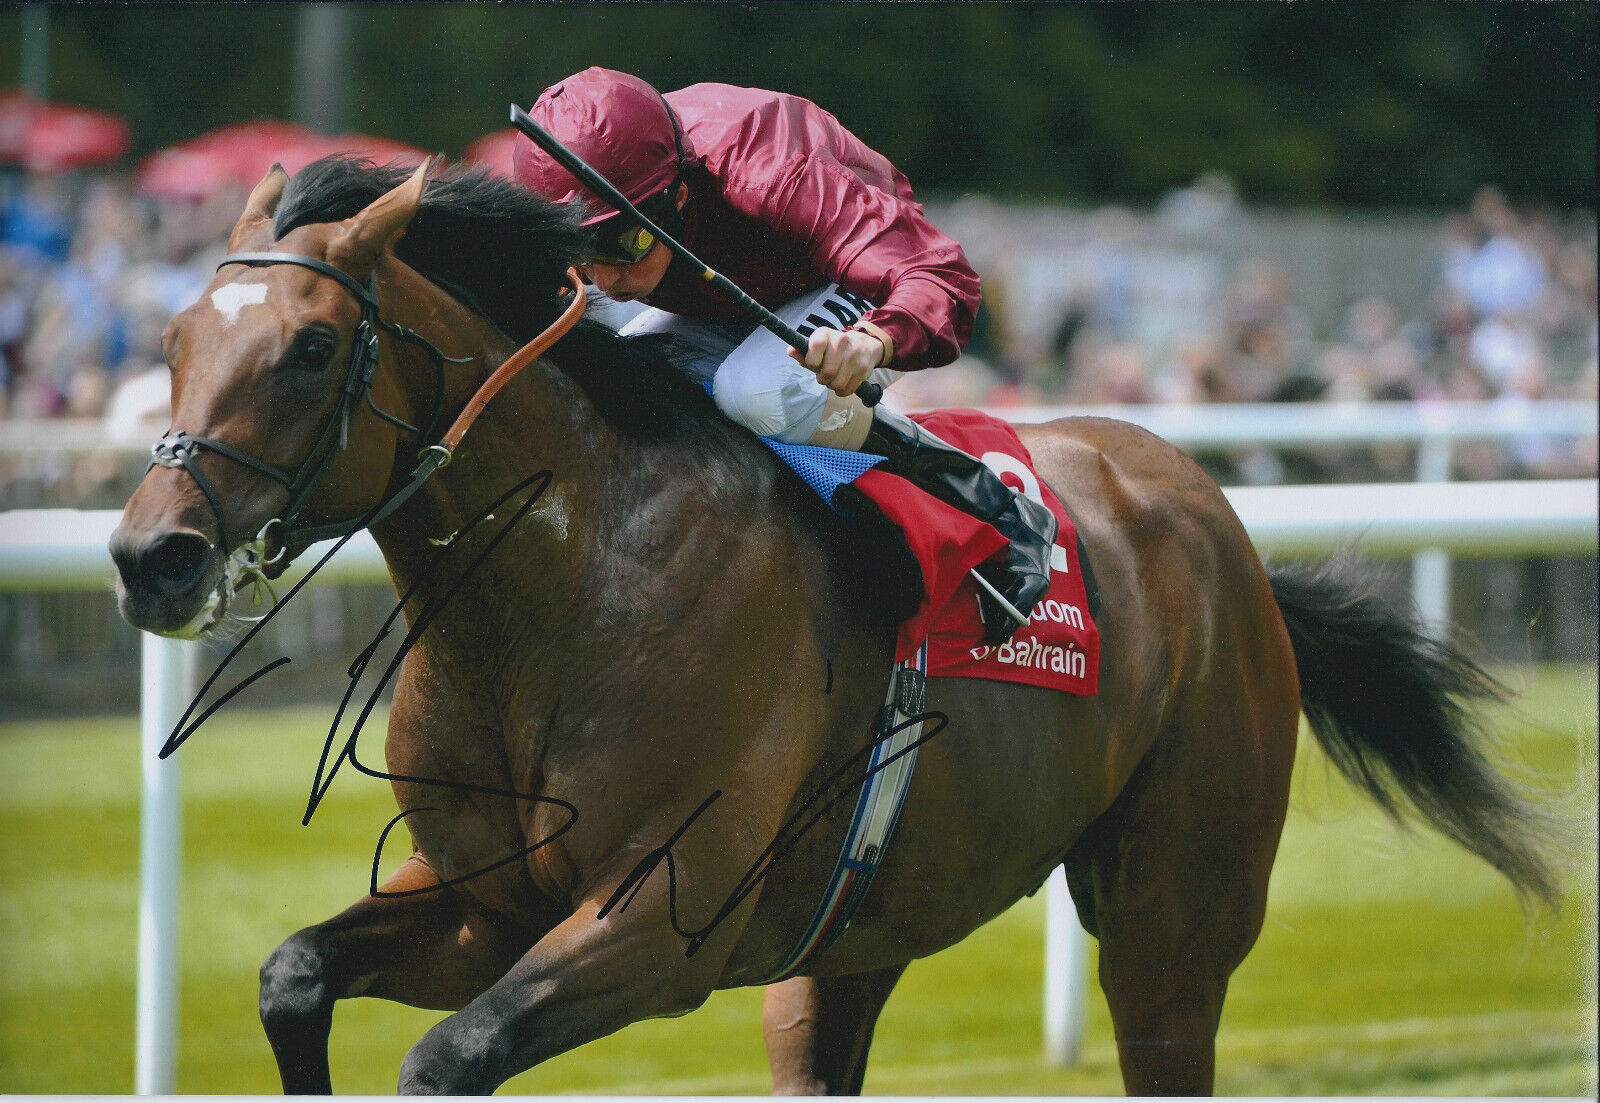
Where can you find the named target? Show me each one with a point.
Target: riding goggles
(621, 240)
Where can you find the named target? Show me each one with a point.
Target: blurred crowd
(1172, 306)
(1128, 307)
(1162, 307)
(89, 275)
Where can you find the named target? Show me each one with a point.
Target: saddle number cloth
(1060, 648)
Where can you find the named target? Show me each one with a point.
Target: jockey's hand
(842, 360)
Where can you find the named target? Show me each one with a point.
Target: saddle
(1060, 648)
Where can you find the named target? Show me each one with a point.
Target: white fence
(1436, 427)
(1197, 428)
(65, 549)
(1203, 428)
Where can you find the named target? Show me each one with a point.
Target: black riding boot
(962, 481)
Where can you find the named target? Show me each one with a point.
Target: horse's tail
(1390, 707)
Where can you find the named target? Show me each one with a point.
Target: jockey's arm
(879, 246)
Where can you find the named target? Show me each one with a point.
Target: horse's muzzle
(166, 580)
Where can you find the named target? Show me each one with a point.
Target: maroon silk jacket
(795, 201)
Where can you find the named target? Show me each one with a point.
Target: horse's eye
(313, 353)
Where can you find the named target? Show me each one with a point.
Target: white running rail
(1436, 427)
(1196, 427)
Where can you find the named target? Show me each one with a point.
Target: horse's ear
(259, 208)
(365, 236)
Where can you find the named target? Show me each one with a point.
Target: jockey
(773, 192)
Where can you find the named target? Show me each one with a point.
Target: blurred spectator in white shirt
(1505, 274)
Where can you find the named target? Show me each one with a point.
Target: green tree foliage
(1347, 103)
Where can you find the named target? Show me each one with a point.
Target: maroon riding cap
(617, 124)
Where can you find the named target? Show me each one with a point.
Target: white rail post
(1066, 974)
(168, 670)
(1430, 567)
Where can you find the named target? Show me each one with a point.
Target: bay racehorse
(621, 607)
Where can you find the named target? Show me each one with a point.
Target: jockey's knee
(845, 423)
(772, 403)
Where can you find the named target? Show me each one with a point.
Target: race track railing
(1437, 428)
(1194, 427)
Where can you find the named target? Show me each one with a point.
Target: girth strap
(883, 794)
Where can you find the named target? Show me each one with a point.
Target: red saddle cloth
(1060, 648)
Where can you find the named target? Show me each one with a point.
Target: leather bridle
(178, 449)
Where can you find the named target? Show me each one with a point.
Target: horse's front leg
(587, 978)
(434, 950)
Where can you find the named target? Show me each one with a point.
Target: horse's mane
(505, 252)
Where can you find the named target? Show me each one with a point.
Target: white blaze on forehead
(234, 297)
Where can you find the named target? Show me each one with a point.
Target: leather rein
(179, 449)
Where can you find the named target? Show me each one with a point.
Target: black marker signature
(829, 793)
(323, 778)
(788, 835)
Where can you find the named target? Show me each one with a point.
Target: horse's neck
(533, 425)
(569, 536)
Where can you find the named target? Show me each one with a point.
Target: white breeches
(752, 378)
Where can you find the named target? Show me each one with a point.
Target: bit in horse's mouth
(209, 615)
(241, 571)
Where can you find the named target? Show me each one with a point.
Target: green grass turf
(1390, 964)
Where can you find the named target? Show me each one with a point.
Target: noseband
(178, 449)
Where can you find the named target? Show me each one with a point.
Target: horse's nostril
(174, 560)
(126, 558)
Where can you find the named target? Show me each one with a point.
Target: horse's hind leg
(1179, 868)
(430, 950)
(818, 1030)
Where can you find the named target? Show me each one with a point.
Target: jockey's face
(627, 282)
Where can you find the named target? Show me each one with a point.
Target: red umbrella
(16, 110)
(242, 153)
(54, 137)
(493, 151)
